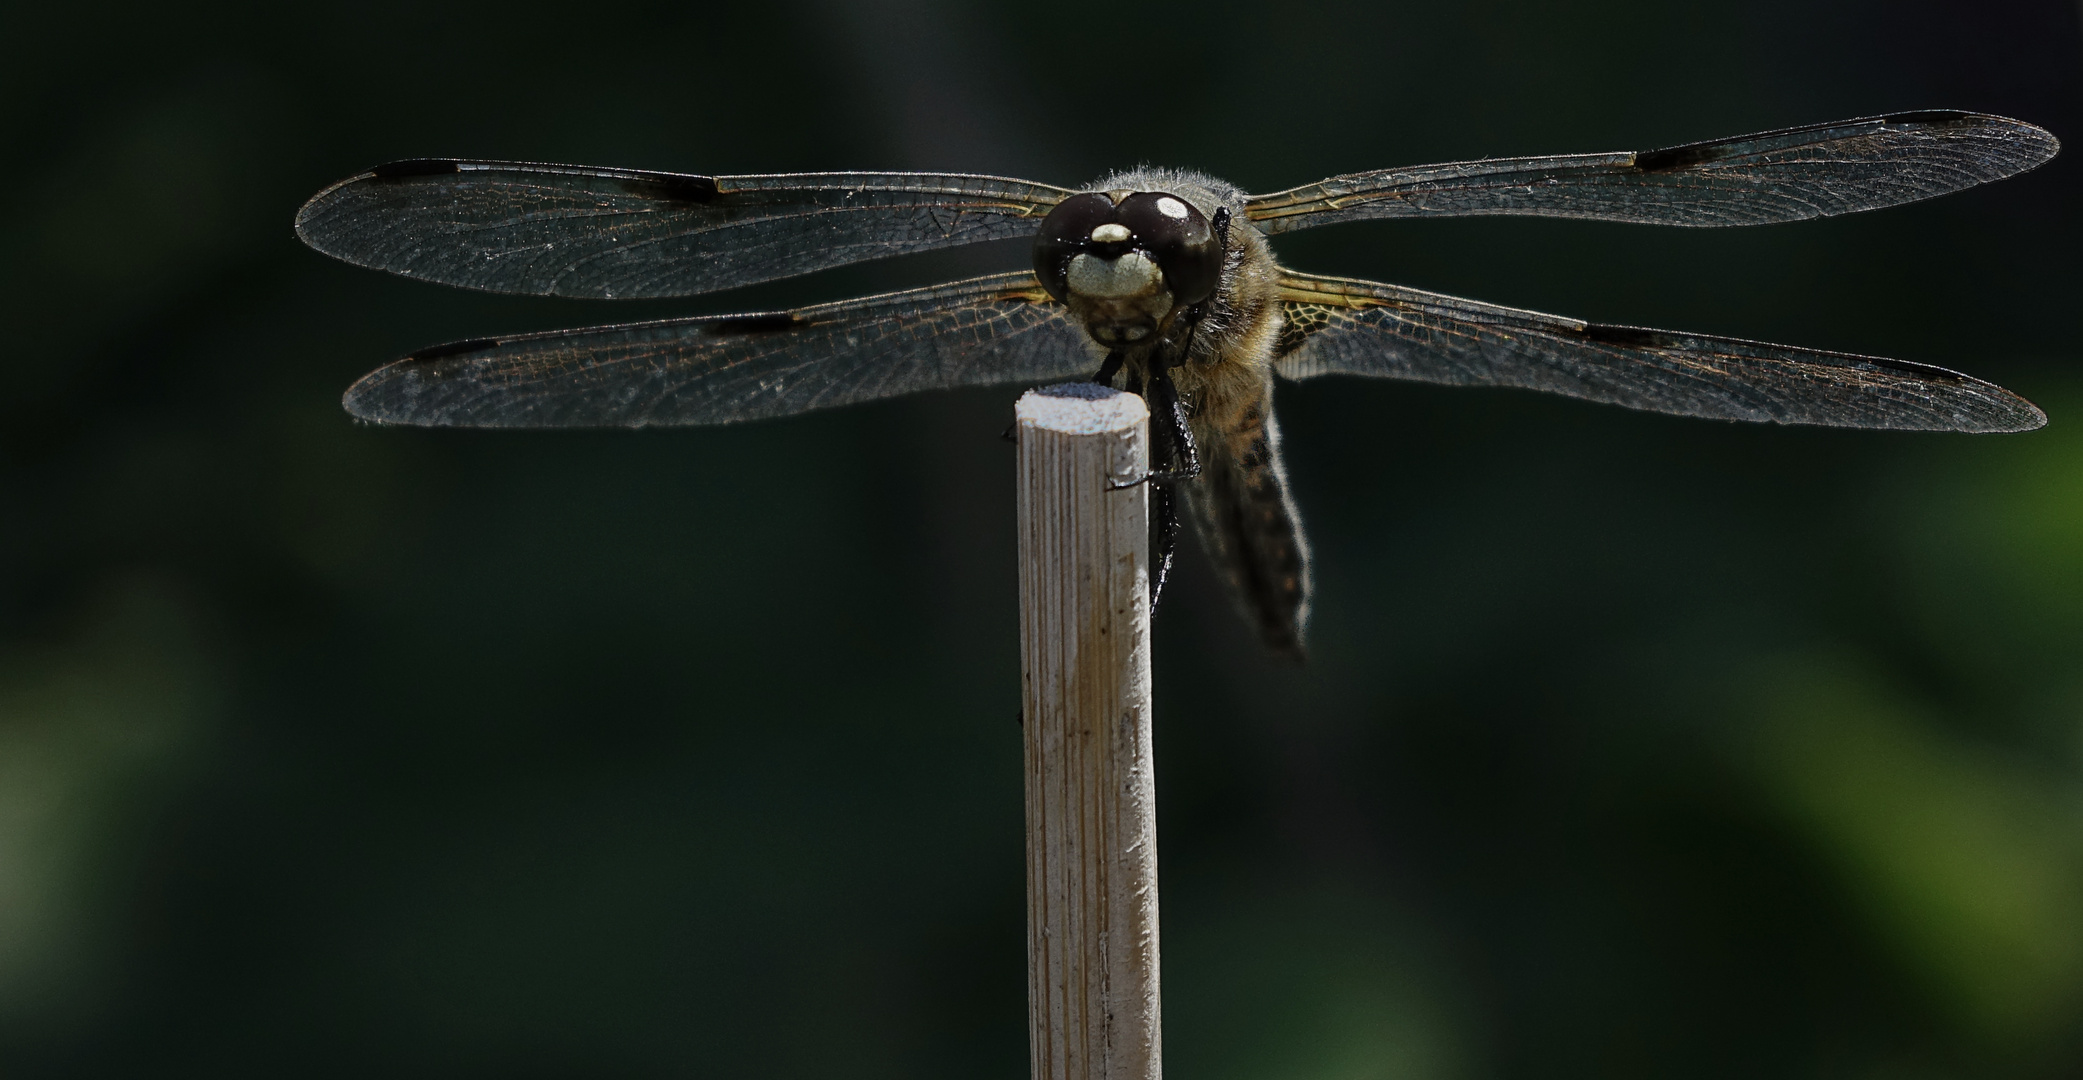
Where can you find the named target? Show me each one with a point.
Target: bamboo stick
(1091, 807)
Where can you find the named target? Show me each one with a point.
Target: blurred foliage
(1631, 746)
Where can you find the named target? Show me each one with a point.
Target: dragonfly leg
(1164, 505)
(1164, 538)
(1171, 442)
(1108, 368)
(1171, 434)
(1171, 431)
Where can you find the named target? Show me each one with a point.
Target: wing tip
(401, 169)
(2019, 415)
(392, 394)
(382, 396)
(360, 399)
(2031, 145)
(1983, 408)
(2035, 145)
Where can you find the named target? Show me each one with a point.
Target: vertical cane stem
(1091, 808)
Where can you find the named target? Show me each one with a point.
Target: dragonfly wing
(560, 230)
(998, 329)
(1805, 172)
(1338, 325)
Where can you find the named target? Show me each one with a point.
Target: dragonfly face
(1127, 262)
(1161, 278)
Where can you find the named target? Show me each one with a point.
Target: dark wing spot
(1676, 158)
(398, 170)
(754, 324)
(453, 348)
(1929, 116)
(1632, 337)
(673, 187)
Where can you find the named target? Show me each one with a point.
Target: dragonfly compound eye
(1067, 233)
(1179, 238)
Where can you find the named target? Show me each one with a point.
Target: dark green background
(1631, 746)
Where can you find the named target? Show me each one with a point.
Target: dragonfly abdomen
(1244, 513)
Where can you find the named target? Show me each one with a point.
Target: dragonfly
(1161, 278)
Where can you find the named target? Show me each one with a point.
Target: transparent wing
(998, 329)
(1337, 325)
(1790, 175)
(560, 230)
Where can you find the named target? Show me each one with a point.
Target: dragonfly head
(1124, 261)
